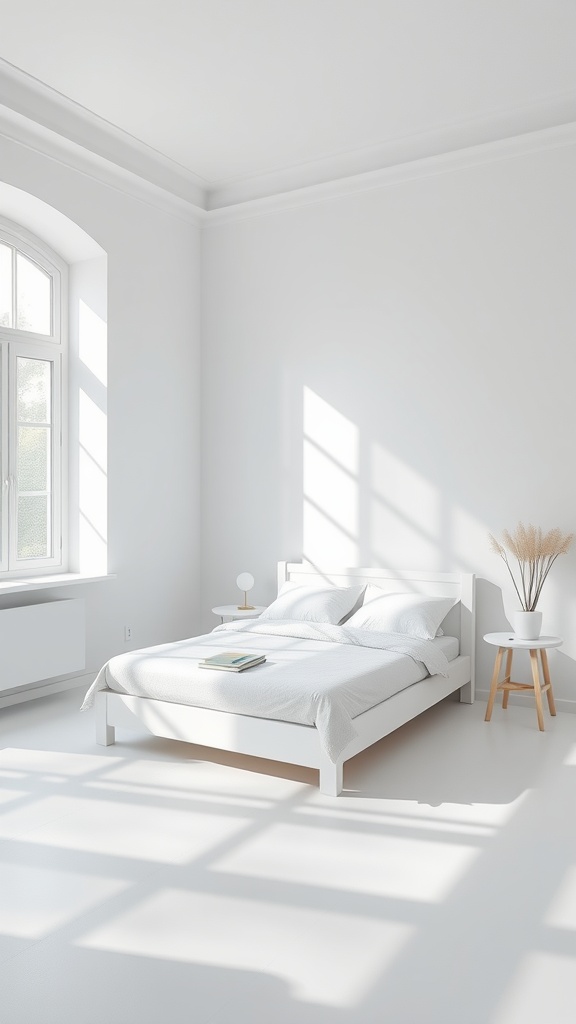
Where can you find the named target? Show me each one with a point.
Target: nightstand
(507, 642)
(231, 611)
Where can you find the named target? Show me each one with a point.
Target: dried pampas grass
(535, 552)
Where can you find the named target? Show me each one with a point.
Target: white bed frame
(300, 744)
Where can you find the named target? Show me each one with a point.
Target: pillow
(314, 603)
(416, 614)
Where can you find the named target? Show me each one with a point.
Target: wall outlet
(127, 633)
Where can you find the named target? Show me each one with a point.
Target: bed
(325, 692)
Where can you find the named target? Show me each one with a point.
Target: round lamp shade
(245, 582)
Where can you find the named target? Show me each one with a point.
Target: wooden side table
(507, 643)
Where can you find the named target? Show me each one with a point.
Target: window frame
(54, 348)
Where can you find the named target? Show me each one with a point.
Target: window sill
(64, 579)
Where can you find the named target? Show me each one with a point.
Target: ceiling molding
(61, 117)
(39, 118)
(29, 134)
(562, 136)
(448, 138)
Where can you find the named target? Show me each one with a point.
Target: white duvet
(315, 674)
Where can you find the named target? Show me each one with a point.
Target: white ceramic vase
(527, 625)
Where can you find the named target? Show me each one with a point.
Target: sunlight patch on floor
(490, 815)
(570, 759)
(464, 819)
(197, 780)
(191, 796)
(310, 945)
(542, 991)
(36, 900)
(392, 866)
(163, 835)
(8, 796)
(562, 911)
(35, 762)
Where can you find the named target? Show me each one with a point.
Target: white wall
(152, 402)
(388, 376)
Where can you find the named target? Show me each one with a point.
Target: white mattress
(314, 674)
(449, 645)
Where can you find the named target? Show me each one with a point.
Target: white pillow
(313, 603)
(416, 614)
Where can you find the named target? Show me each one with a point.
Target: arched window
(33, 344)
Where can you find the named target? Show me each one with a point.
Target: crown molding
(448, 138)
(42, 119)
(562, 136)
(28, 134)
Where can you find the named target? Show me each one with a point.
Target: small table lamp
(245, 582)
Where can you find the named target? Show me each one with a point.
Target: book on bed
(232, 661)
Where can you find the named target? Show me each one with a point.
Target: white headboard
(459, 622)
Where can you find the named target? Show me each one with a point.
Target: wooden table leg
(507, 677)
(537, 688)
(546, 671)
(494, 683)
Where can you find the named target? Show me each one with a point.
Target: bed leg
(467, 693)
(331, 778)
(105, 733)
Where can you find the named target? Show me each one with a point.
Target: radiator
(40, 641)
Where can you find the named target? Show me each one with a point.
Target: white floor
(141, 885)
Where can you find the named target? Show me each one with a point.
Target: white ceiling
(242, 93)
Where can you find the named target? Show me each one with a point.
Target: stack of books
(232, 661)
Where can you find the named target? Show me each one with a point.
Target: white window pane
(33, 459)
(33, 526)
(34, 387)
(33, 297)
(5, 286)
(34, 410)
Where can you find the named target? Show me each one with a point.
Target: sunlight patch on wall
(405, 514)
(558, 606)
(92, 342)
(330, 484)
(470, 535)
(92, 486)
(92, 442)
(93, 432)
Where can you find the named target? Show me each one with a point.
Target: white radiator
(40, 641)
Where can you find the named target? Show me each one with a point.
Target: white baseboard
(562, 704)
(44, 690)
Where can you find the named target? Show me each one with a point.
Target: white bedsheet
(315, 674)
